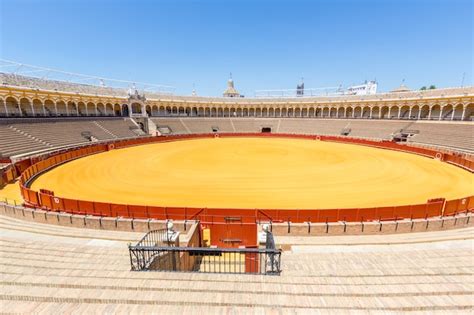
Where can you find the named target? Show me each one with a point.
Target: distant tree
(423, 88)
(432, 87)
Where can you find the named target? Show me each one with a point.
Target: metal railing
(146, 256)
(161, 237)
(142, 259)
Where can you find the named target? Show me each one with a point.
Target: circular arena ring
(251, 178)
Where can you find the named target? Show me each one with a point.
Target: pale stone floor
(51, 269)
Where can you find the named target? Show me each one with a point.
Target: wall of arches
(26, 107)
(450, 112)
(19, 106)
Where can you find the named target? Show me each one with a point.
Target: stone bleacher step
(24, 133)
(9, 223)
(197, 279)
(385, 239)
(104, 129)
(403, 303)
(70, 235)
(222, 287)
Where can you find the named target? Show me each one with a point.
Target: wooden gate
(232, 234)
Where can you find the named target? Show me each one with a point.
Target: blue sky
(265, 44)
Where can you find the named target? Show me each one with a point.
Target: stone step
(276, 289)
(68, 295)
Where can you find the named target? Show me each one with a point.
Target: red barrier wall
(242, 216)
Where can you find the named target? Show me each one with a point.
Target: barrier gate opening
(232, 234)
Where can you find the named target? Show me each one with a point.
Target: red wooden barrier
(236, 216)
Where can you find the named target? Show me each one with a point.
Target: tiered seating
(375, 129)
(123, 128)
(203, 125)
(59, 132)
(255, 124)
(313, 126)
(13, 142)
(459, 135)
(28, 135)
(456, 135)
(64, 133)
(175, 125)
(46, 269)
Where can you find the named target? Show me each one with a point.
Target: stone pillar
(6, 108)
(19, 108)
(32, 108)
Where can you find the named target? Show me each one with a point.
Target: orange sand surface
(257, 173)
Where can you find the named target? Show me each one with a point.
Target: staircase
(152, 130)
(105, 130)
(30, 136)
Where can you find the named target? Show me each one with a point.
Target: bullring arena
(335, 203)
(239, 173)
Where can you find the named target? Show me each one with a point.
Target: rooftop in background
(29, 77)
(34, 77)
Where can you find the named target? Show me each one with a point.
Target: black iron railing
(161, 237)
(142, 260)
(145, 257)
(208, 260)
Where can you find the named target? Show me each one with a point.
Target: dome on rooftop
(231, 91)
(401, 88)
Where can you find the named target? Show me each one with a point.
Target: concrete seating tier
(459, 136)
(29, 135)
(375, 129)
(175, 125)
(63, 133)
(14, 142)
(455, 135)
(122, 128)
(203, 125)
(255, 124)
(313, 126)
(49, 269)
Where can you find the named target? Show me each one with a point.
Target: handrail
(266, 261)
(208, 249)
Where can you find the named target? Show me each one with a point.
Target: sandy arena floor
(257, 173)
(11, 193)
